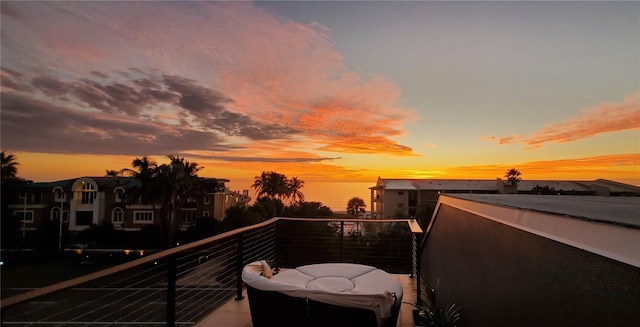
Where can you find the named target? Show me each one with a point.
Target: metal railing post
(277, 257)
(171, 292)
(342, 241)
(239, 267)
(418, 282)
(413, 255)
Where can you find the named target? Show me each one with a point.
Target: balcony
(199, 283)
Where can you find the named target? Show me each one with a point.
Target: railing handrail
(169, 252)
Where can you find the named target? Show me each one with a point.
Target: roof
(399, 184)
(525, 185)
(492, 185)
(617, 187)
(104, 182)
(607, 226)
(457, 184)
(623, 211)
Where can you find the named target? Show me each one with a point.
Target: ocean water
(335, 195)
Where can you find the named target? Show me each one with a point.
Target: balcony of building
(199, 284)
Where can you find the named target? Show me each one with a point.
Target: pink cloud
(604, 118)
(600, 119)
(273, 69)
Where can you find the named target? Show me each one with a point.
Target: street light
(61, 198)
(60, 222)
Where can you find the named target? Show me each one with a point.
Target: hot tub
(329, 294)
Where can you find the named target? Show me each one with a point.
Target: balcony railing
(180, 286)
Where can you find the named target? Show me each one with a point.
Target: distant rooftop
(597, 187)
(618, 210)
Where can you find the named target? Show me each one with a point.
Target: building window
(207, 200)
(37, 197)
(117, 216)
(400, 205)
(26, 216)
(88, 193)
(143, 217)
(120, 195)
(188, 217)
(55, 214)
(59, 195)
(22, 196)
(205, 214)
(400, 192)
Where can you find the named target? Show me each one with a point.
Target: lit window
(88, 193)
(143, 217)
(117, 216)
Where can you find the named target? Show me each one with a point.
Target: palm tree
(293, 190)
(513, 176)
(144, 171)
(271, 184)
(259, 183)
(176, 183)
(9, 166)
(112, 173)
(355, 206)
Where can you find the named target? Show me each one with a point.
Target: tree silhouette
(293, 189)
(112, 173)
(273, 185)
(9, 166)
(513, 175)
(356, 206)
(169, 185)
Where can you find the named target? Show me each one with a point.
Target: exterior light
(141, 252)
(127, 252)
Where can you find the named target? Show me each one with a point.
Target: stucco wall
(503, 276)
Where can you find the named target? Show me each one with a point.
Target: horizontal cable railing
(180, 286)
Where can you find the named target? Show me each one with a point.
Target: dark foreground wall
(503, 276)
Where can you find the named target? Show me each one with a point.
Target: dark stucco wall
(503, 276)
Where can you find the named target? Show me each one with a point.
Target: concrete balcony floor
(236, 313)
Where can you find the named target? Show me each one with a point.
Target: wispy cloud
(169, 71)
(604, 118)
(584, 168)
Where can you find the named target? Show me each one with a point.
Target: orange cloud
(619, 166)
(603, 118)
(272, 69)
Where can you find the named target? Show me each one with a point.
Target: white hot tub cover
(342, 284)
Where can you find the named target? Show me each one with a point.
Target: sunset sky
(325, 91)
